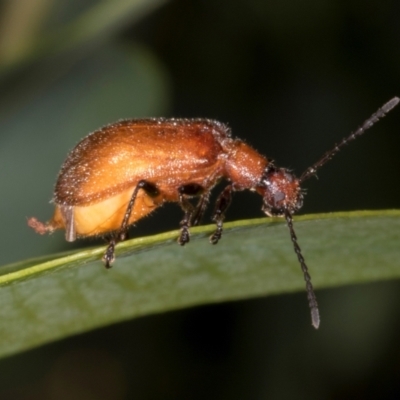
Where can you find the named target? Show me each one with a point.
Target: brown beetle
(120, 173)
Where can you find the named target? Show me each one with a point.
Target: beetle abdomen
(104, 216)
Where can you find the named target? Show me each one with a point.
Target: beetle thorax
(281, 192)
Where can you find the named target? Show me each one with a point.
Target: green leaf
(57, 296)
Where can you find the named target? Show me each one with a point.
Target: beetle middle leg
(222, 204)
(192, 214)
(152, 191)
(200, 209)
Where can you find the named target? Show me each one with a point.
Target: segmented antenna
(366, 125)
(312, 299)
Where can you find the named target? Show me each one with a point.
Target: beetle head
(281, 192)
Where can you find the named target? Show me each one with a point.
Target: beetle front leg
(122, 234)
(222, 204)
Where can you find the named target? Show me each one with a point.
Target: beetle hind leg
(122, 234)
(200, 209)
(188, 209)
(222, 204)
(192, 214)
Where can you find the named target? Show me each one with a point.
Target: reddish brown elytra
(122, 172)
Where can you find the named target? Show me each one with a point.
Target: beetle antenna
(312, 299)
(366, 125)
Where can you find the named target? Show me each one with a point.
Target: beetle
(123, 171)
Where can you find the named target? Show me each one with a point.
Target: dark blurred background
(291, 78)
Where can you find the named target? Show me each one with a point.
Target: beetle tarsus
(216, 236)
(221, 205)
(109, 255)
(184, 237)
(188, 210)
